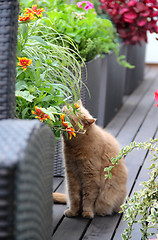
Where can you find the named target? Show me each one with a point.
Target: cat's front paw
(70, 213)
(87, 214)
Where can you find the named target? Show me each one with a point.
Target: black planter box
(91, 77)
(136, 57)
(114, 76)
(105, 81)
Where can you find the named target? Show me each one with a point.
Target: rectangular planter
(114, 75)
(105, 81)
(136, 57)
(91, 77)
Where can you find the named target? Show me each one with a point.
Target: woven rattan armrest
(26, 166)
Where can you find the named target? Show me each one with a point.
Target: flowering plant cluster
(133, 18)
(45, 72)
(63, 124)
(91, 34)
(86, 5)
(31, 13)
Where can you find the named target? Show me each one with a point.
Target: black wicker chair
(26, 151)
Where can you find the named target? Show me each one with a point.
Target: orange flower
(26, 17)
(62, 117)
(76, 106)
(65, 124)
(34, 10)
(24, 62)
(71, 132)
(40, 114)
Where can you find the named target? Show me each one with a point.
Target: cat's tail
(59, 198)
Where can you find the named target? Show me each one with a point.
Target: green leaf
(39, 39)
(38, 69)
(110, 175)
(25, 95)
(21, 85)
(80, 126)
(24, 112)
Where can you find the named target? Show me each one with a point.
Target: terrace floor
(137, 120)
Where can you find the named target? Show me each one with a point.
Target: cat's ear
(79, 102)
(88, 121)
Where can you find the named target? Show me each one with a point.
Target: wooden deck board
(143, 176)
(137, 121)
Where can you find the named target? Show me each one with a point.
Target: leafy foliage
(52, 79)
(142, 207)
(90, 34)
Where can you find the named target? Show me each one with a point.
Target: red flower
(156, 95)
(26, 17)
(62, 117)
(34, 10)
(76, 106)
(24, 62)
(71, 132)
(40, 114)
(65, 124)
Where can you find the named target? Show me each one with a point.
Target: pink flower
(87, 5)
(156, 95)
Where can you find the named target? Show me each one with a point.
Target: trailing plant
(142, 207)
(48, 75)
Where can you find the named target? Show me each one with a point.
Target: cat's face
(81, 116)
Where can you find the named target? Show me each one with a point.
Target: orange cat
(86, 156)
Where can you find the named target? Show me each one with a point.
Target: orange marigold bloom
(40, 114)
(34, 10)
(24, 62)
(71, 132)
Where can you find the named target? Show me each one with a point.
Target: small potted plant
(133, 19)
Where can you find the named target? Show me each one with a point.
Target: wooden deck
(137, 121)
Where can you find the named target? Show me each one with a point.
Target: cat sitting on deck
(86, 156)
